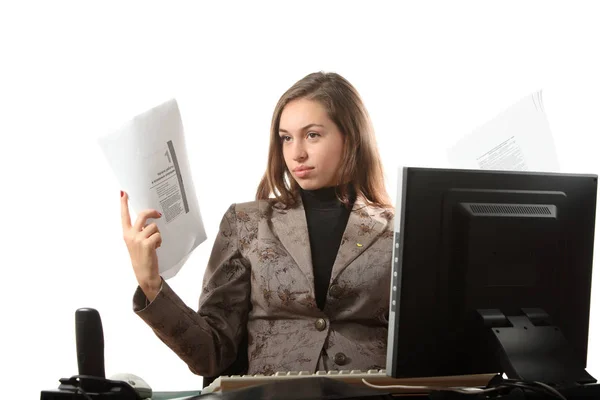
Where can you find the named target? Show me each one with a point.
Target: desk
(329, 388)
(185, 395)
(588, 392)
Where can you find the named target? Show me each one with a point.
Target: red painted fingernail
(160, 214)
(122, 193)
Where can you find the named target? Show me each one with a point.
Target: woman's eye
(313, 135)
(285, 138)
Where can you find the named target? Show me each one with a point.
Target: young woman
(301, 276)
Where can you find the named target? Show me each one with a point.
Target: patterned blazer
(259, 282)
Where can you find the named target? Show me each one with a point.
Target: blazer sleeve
(207, 339)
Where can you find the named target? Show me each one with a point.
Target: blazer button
(335, 290)
(320, 324)
(339, 359)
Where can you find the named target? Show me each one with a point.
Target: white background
(429, 72)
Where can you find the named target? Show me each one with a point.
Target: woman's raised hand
(142, 240)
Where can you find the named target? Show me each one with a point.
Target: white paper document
(149, 158)
(519, 139)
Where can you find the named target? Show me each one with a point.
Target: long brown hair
(361, 166)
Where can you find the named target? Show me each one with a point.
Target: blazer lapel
(291, 229)
(364, 226)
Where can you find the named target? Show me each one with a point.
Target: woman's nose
(299, 153)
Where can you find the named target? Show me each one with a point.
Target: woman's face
(312, 144)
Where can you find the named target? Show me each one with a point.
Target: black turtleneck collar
(322, 199)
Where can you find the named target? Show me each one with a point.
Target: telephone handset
(91, 382)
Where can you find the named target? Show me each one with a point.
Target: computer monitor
(491, 272)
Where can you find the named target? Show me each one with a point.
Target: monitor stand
(528, 347)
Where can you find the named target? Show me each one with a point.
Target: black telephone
(91, 382)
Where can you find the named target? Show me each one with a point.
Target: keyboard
(375, 377)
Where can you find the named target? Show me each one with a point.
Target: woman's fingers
(139, 232)
(149, 230)
(125, 218)
(143, 217)
(154, 241)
